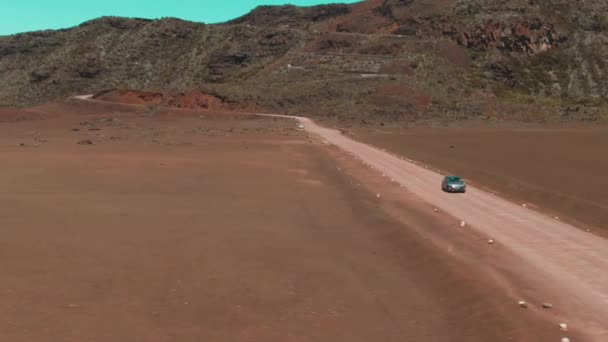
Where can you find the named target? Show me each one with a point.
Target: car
(453, 184)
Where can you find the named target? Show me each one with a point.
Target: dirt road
(559, 169)
(568, 261)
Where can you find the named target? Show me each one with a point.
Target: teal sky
(30, 15)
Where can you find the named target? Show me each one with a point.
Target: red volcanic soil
(10, 114)
(118, 225)
(194, 100)
(16, 114)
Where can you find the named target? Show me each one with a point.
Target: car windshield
(454, 179)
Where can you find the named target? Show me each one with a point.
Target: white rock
(378, 195)
(563, 326)
(523, 304)
(547, 305)
(435, 210)
(524, 205)
(462, 223)
(557, 217)
(490, 242)
(565, 339)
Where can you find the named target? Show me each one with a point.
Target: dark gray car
(453, 184)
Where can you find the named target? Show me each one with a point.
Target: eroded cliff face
(553, 48)
(472, 24)
(528, 36)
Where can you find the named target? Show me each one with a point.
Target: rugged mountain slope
(550, 47)
(117, 52)
(374, 60)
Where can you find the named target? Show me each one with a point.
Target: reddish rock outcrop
(192, 100)
(195, 100)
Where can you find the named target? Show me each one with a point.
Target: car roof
(453, 177)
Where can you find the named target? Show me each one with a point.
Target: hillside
(391, 60)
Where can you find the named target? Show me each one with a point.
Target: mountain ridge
(412, 60)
